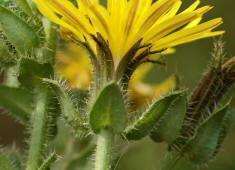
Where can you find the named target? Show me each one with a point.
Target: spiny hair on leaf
(65, 84)
(10, 47)
(35, 23)
(218, 54)
(170, 108)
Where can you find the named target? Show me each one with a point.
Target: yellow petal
(172, 24)
(46, 11)
(186, 34)
(157, 10)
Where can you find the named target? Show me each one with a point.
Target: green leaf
(24, 6)
(168, 128)
(202, 146)
(226, 126)
(18, 32)
(6, 58)
(5, 163)
(108, 111)
(19, 102)
(46, 164)
(30, 72)
(71, 115)
(148, 121)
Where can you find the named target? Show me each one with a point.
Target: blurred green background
(190, 62)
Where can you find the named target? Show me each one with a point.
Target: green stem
(103, 159)
(37, 141)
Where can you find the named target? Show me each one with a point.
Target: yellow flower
(124, 22)
(123, 37)
(73, 65)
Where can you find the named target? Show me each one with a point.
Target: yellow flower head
(124, 35)
(125, 22)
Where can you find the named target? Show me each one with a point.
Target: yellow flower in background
(73, 65)
(142, 93)
(124, 22)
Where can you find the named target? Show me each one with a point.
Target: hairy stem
(40, 117)
(103, 159)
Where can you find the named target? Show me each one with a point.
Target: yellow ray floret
(124, 22)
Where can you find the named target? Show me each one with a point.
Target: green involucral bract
(168, 128)
(150, 118)
(202, 146)
(108, 110)
(70, 113)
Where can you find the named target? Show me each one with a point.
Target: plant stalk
(103, 158)
(38, 135)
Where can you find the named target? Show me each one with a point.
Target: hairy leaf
(19, 102)
(169, 126)
(6, 58)
(25, 38)
(202, 146)
(70, 113)
(148, 121)
(108, 111)
(30, 72)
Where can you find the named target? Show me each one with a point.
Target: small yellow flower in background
(125, 22)
(142, 93)
(73, 65)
